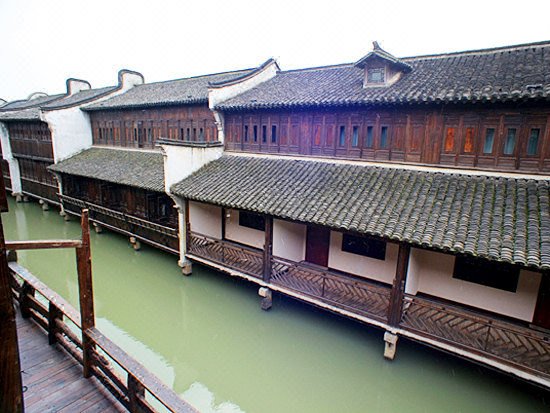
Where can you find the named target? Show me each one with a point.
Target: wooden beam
(398, 287)
(11, 387)
(42, 244)
(268, 248)
(86, 294)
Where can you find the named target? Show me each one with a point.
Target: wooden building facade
(411, 195)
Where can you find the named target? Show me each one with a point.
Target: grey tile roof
(22, 114)
(181, 91)
(24, 104)
(501, 74)
(78, 98)
(503, 219)
(135, 168)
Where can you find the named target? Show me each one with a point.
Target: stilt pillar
(45, 206)
(66, 217)
(25, 198)
(186, 267)
(267, 298)
(97, 228)
(136, 245)
(18, 198)
(390, 347)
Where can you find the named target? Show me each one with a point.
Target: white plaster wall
(432, 273)
(205, 219)
(127, 79)
(218, 95)
(182, 161)
(77, 85)
(379, 270)
(71, 131)
(244, 235)
(15, 175)
(289, 240)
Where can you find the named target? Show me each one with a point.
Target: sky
(44, 42)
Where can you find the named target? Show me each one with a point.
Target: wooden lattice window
(384, 137)
(489, 141)
(273, 133)
(510, 142)
(369, 143)
(469, 140)
(377, 75)
(450, 140)
(355, 136)
(533, 142)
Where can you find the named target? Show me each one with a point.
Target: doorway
(317, 245)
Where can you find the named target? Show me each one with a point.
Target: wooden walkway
(52, 380)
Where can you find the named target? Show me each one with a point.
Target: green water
(206, 337)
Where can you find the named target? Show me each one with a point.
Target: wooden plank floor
(52, 380)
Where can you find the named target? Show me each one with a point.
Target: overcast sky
(43, 42)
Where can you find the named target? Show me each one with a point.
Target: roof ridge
(326, 67)
(196, 77)
(479, 51)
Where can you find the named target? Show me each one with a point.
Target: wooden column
(224, 211)
(268, 248)
(86, 295)
(398, 287)
(11, 387)
(187, 225)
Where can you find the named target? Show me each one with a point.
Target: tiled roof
(502, 74)
(78, 98)
(140, 169)
(182, 91)
(24, 104)
(503, 219)
(22, 114)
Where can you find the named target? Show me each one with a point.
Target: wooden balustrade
(160, 236)
(512, 344)
(341, 290)
(239, 257)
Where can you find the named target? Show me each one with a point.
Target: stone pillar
(390, 347)
(267, 298)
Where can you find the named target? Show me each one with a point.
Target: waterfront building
(410, 194)
(43, 130)
(120, 178)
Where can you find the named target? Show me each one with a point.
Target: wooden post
(187, 226)
(398, 287)
(54, 314)
(11, 387)
(224, 211)
(136, 391)
(268, 248)
(86, 295)
(26, 291)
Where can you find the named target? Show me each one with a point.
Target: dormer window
(381, 68)
(377, 75)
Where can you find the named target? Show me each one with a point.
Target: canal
(206, 337)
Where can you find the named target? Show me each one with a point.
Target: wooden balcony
(157, 235)
(338, 289)
(456, 328)
(40, 190)
(513, 344)
(235, 256)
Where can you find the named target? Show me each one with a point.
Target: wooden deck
(52, 379)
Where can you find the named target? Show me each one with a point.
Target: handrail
(42, 244)
(51, 318)
(139, 221)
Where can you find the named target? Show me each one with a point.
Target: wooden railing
(40, 190)
(160, 236)
(134, 386)
(341, 290)
(242, 258)
(515, 345)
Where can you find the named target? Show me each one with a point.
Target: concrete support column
(390, 341)
(267, 298)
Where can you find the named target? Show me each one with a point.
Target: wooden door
(542, 310)
(317, 245)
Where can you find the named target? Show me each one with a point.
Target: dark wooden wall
(30, 139)
(153, 206)
(451, 136)
(35, 170)
(141, 128)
